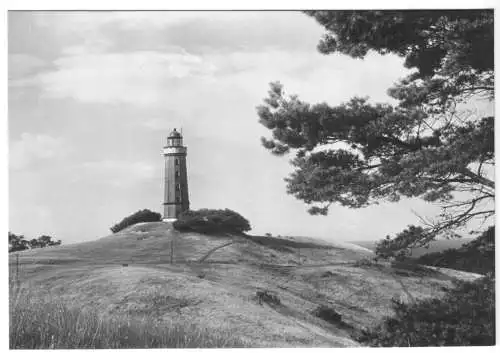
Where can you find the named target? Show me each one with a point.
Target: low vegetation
(328, 314)
(47, 323)
(267, 296)
(359, 291)
(209, 221)
(367, 262)
(138, 217)
(464, 317)
(409, 268)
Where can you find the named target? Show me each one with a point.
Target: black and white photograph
(250, 178)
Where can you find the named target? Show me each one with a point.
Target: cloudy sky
(93, 96)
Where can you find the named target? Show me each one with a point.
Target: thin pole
(172, 249)
(17, 268)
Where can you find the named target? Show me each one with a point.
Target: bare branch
(478, 178)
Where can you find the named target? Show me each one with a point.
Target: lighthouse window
(178, 186)
(176, 161)
(178, 198)
(177, 174)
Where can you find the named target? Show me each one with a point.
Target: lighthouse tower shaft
(176, 197)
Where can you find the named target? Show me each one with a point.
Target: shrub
(409, 268)
(328, 314)
(212, 221)
(267, 297)
(138, 217)
(465, 316)
(368, 263)
(327, 274)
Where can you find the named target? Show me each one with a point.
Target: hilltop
(213, 280)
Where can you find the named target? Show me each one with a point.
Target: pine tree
(359, 153)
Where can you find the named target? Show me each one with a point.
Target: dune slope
(212, 281)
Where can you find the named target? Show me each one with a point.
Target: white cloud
(23, 64)
(231, 94)
(173, 78)
(135, 78)
(160, 19)
(117, 173)
(32, 148)
(91, 20)
(211, 90)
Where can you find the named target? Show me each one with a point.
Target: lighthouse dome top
(174, 134)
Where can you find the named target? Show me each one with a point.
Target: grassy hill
(213, 281)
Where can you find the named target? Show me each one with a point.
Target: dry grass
(218, 295)
(43, 322)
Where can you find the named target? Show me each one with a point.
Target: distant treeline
(476, 256)
(18, 242)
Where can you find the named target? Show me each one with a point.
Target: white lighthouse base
(169, 220)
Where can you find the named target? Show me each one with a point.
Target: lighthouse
(176, 197)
